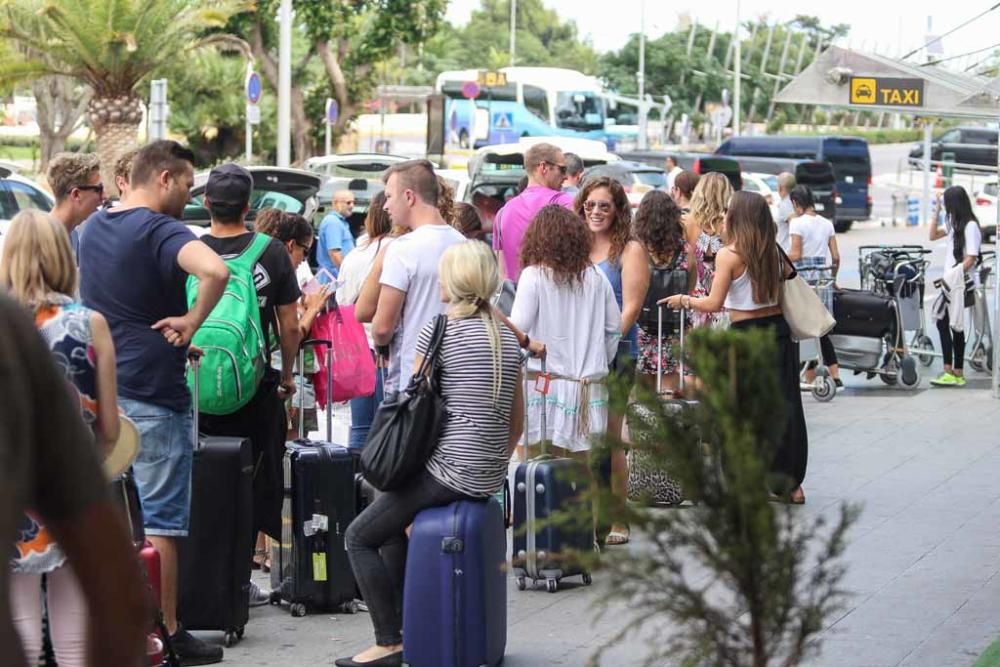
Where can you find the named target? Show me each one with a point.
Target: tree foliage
(744, 582)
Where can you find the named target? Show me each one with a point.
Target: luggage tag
(542, 383)
(319, 567)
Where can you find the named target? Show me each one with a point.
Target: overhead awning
(869, 82)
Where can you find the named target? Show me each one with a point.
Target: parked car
(291, 190)
(766, 185)
(18, 193)
(637, 178)
(361, 173)
(699, 163)
(970, 144)
(849, 156)
(816, 174)
(985, 208)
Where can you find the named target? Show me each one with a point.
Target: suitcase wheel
(275, 597)
(551, 585)
(298, 609)
(521, 583)
(350, 607)
(230, 638)
(587, 579)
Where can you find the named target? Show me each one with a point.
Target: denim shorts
(163, 466)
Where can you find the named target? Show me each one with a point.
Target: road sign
(887, 91)
(332, 111)
(470, 90)
(503, 120)
(253, 114)
(253, 87)
(492, 79)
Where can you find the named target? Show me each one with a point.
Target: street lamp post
(285, 84)
(641, 74)
(513, 29)
(738, 84)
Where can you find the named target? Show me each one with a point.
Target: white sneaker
(258, 596)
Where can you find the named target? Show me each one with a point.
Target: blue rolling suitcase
(455, 597)
(309, 566)
(545, 544)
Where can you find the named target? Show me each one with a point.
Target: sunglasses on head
(602, 206)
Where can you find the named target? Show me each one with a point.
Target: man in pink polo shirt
(545, 165)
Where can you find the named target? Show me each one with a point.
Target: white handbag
(805, 313)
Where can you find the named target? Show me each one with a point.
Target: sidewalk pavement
(922, 562)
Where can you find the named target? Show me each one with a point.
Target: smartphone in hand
(323, 277)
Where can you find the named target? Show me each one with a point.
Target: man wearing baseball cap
(263, 419)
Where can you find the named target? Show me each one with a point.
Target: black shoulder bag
(406, 426)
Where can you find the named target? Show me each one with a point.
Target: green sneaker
(959, 380)
(947, 380)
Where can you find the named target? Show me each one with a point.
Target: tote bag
(805, 313)
(406, 425)
(353, 365)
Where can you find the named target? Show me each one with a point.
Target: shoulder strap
(434, 347)
(252, 253)
(786, 260)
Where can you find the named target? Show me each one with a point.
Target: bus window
(579, 111)
(537, 102)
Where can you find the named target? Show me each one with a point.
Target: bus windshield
(579, 111)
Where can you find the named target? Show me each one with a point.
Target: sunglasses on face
(93, 188)
(560, 167)
(602, 206)
(305, 248)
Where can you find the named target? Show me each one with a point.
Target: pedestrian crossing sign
(503, 120)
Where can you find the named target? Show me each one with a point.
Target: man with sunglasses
(263, 419)
(75, 179)
(546, 168)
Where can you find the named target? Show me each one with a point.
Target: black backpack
(664, 281)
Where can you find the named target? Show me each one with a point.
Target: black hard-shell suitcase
(860, 313)
(214, 559)
(309, 566)
(552, 510)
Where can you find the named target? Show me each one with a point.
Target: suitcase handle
(316, 342)
(194, 358)
(659, 350)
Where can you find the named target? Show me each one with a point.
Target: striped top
(471, 456)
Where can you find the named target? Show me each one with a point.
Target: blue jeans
(162, 467)
(363, 412)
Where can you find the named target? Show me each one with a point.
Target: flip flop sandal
(616, 539)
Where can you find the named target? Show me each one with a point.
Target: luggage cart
(900, 272)
(823, 388)
(979, 349)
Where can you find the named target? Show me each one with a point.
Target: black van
(699, 163)
(849, 156)
(816, 174)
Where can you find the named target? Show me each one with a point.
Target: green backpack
(231, 337)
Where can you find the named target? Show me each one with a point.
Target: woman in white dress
(565, 301)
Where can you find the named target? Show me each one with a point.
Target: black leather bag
(861, 313)
(664, 281)
(406, 426)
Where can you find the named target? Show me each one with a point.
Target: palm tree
(112, 46)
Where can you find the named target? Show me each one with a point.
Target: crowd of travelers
(118, 287)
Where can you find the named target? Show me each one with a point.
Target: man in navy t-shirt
(134, 262)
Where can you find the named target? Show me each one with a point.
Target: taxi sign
(887, 91)
(492, 79)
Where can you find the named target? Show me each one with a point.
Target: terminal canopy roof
(866, 81)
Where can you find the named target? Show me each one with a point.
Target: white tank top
(740, 295)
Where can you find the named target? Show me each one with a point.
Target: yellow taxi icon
(863, 91)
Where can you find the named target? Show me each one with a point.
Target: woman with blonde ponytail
(478, 374)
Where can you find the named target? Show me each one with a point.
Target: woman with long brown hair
(564, 300)
(604, 205)
(748, 276)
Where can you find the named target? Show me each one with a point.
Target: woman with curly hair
(566, 302)
(659, 230)
(705, 227)
(603, 204)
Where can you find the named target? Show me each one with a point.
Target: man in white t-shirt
(410, 294)
(786, 181)
(672, 168)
